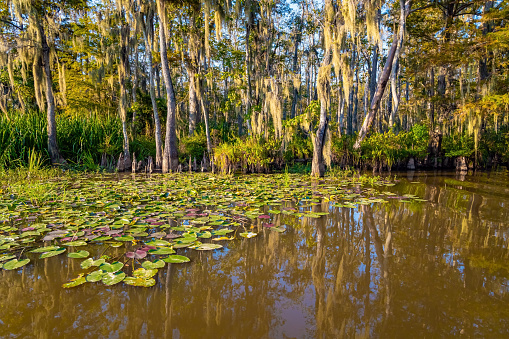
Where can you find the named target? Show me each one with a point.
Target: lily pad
(150, 265)
(140, 282)
(111, 268)
(95, 276)
(176, 259)
(45, 249)
(113, 278)
(78, 255)
(15, 264)
(52, 253)
(75, 282)
(248, 234)
(90, 262)
(75, 243)
(162, 251)
(208, 247)
(144, 273)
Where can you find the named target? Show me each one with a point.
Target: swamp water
(269, 257)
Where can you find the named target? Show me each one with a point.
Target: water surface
(395, 270)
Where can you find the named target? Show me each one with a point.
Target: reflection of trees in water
(391, 270)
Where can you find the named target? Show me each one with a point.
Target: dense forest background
(254, 85)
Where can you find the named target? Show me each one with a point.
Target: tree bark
(157, 121)
(170, 154)
(53, 150)
(193, 102)
(317, 166)
(122, 70)
(404, 11)
(294, 70)
(375, 103)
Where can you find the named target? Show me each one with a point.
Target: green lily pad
(45, 249)
(78, 255)
(141, 282)
(162, 251)
(7, 257)
(158, 243)
(102, 238)
(95, 276)
(15, 264)
(208, 247)
(224, 231)
(52, 253)
(205, 235)
(176, 259)
(111, 268)
(144, 273)
(75, 282)
(113, 278)
(75, 243)
(90, 262)
(248, 234)
(149, 265)
(124, 238)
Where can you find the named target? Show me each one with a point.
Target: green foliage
(193, 146)
(250, 155)
(23, 140)
(458, 145)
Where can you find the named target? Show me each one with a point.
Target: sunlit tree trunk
(170, 155)
(157, 121)
(122, 74)
(375, 103)
(53, 149)
(318, 166)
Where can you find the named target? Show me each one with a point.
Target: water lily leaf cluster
(148, 222)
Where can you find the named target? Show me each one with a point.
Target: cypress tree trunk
(157, 121)
(54, 152)
(294, 69)
(170, 155)
(122, 69)
(193, 100)
(375, 103)
(318, 167)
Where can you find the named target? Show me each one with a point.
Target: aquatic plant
(141, 225)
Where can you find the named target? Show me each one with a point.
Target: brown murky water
(433, 269)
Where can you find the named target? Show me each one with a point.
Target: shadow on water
(431, 269)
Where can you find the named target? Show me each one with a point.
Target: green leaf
(95, 276)
(144, 273)
(141, 282)
(113, 278)
(52, 253)
(111, 268)
(78, 255)
(75, 282)
(15, 264)
(176, 259)
(149, 265)
(6, 257)
(205, 235)
(45, 249)
(124, 238)
(158, 243)
(223, 231)
(103, 238)
(248, 234)
(90, 262)
(162, 251)
(75, 243)
(208, 247)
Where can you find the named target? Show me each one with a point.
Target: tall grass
(82, 140)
